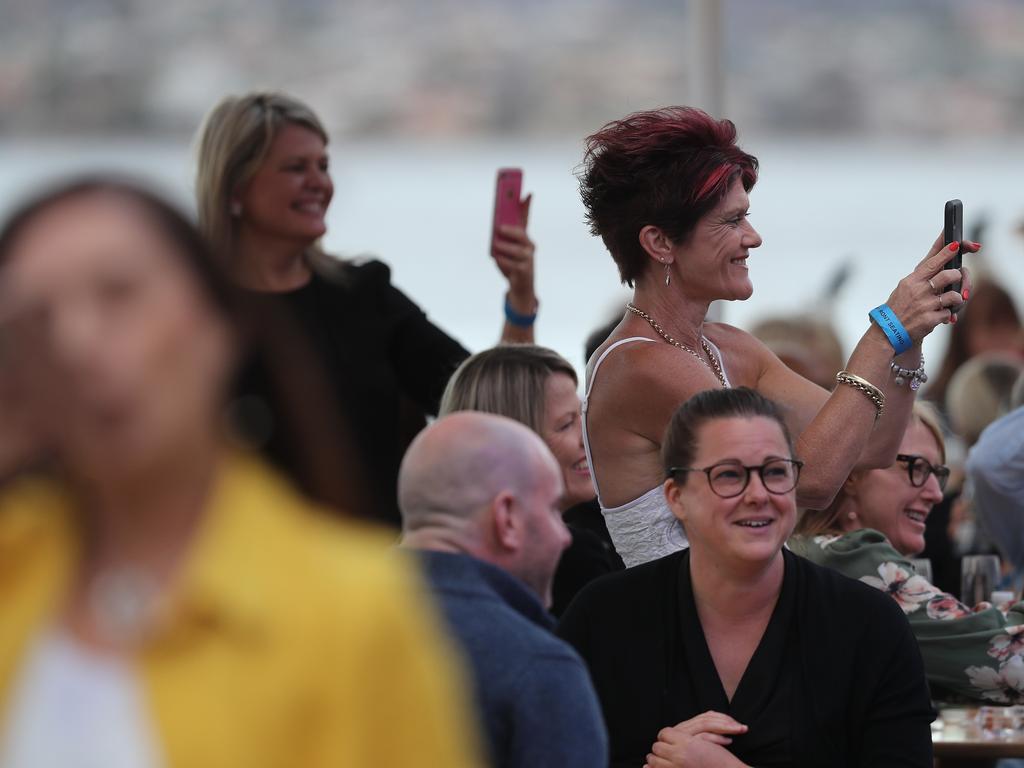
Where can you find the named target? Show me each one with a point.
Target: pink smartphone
(507, 206)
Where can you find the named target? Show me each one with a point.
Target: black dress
(386, 366)
(836, 680)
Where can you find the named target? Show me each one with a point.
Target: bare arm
(513, 252)
(833, 431)
(837, 432)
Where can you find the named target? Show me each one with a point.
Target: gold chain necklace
(714, 366)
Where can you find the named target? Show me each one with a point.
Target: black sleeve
(423, 356)
(897, 730)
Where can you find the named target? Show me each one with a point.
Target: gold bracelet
(873, 393)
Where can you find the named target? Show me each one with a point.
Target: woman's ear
(235, 201)
(847, 516)
(656, 244)
(851, 488)
(674, 496)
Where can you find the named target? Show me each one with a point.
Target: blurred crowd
(256, 509)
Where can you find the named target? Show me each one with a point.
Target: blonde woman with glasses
(871, 532)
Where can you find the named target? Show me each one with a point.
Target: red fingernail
(952, 318)
(954, 246)
(966, 294)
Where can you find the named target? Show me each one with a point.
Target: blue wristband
(516, 319)
(891, 326)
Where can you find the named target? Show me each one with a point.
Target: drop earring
(668, 274)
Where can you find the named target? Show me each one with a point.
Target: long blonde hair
(818, 522)
(233, 142)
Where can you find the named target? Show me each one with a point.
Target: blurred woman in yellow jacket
(166, 600)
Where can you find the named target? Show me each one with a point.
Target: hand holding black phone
(953, 231)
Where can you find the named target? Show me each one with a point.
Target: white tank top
(643, 529)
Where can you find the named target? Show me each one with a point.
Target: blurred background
(866, 117)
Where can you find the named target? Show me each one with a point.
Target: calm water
(425, 210)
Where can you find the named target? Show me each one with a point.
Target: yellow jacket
(291, 640)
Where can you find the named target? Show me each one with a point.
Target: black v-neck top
(836, 680)
(763, 700)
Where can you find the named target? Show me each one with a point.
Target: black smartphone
(953, 232)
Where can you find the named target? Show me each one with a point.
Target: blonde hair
(509, 380)
(818, 522)
(233, 142)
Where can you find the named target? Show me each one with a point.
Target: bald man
(479, 496)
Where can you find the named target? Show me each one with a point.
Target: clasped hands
(697, 743)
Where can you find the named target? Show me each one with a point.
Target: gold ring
(934, 289)
(941, 307)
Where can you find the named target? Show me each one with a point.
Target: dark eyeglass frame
(940, 471)
(795, 463)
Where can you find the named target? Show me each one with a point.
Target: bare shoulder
(641, 384)
(650, 363)
(745, 356)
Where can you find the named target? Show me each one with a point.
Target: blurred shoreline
(424, 208)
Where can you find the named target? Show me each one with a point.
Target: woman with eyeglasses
(870, 532)
(736, 652)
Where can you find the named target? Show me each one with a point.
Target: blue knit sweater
(537, 704)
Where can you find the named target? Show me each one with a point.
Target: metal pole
(707, 86)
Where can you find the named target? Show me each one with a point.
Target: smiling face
(746, 529)
(885, 500)
(712, 263)
(122, 356)
(563, 433)
(288, 196)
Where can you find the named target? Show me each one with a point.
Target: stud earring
(852, 515)
(668, 274)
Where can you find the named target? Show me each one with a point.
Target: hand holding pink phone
(511, 247)
(508, 205)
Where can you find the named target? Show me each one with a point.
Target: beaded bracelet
(873, 393)
(916, 377)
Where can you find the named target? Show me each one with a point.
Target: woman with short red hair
(667, 191)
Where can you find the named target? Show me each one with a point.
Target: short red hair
(664, 167)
